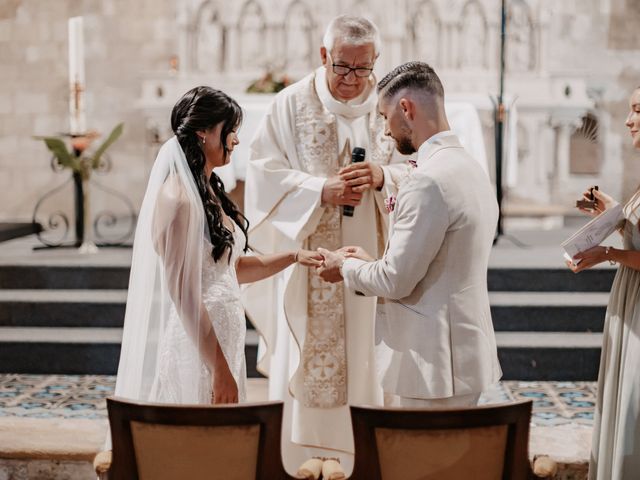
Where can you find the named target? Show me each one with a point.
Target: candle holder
(82, 167)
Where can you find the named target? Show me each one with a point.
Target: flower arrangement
(270, 82)
(75, 159)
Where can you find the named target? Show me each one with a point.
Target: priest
(304, 189)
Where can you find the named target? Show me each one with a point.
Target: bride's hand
(309, 258)
(225, 389)
(356, 252)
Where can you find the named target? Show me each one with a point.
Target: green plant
(75, 159)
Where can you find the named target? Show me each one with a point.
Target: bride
(184, 330)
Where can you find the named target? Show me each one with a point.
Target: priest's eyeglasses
(344, 70)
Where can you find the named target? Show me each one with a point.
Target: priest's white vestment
(317, 338)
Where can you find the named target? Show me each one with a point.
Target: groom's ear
(407, 107)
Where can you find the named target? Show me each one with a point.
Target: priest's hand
(356, 252)
(330, 270)
(362, 176)
(336, 192)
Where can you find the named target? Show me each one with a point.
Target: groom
(434, 335)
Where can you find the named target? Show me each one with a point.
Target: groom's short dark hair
(414, 75)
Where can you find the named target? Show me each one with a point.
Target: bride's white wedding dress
(181, 375)
(180, 300)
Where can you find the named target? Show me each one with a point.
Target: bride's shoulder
(172, 194)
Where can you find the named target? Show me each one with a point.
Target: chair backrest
(483, 443)
(231, 442)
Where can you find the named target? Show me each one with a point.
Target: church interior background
(570, 66)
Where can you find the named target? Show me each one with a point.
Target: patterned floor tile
(83, 396)
(55, 396)
(557, 403)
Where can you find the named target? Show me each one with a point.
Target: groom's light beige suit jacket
(434, 335)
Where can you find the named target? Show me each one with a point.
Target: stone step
(543, 356)
(548, 311)
(59, 350)
(511, 311)
(104, 276)
(75, 350)
(37, 276)
(523, 355)
(62, 308)
(559, 279)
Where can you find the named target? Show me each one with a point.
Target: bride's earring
(204, 139)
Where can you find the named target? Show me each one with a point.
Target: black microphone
(357, 155)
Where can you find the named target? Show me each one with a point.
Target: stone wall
(600, 39)
(624, 43)
(123, 39)
(592, 45)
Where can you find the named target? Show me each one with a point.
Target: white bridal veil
(166, 268)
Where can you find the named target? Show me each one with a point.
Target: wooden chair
(479, 443)
(230, 442)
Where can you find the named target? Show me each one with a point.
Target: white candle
(77, 120)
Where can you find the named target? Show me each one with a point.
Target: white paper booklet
(594, 232)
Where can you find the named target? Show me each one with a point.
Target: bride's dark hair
(200, 109)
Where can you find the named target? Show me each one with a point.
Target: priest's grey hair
(352, 30)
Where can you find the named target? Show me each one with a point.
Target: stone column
(233, 49)
(492, 63)
(455, 46)
(564, 123)
(542, 37)
(394, 35)
(185, 39)
(447, 50)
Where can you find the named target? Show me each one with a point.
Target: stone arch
(425, 26)
(585, 150)
(299, 28)
(521, 35)
(252, 29)
(209, 38)
(473, 35)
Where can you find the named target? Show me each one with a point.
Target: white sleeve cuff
(315, 184)
(348, 269)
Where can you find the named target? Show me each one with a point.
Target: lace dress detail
(178, 361)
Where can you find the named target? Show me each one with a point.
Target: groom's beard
(403, 140)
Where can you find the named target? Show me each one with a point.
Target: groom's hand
(330, 269)
(356, 252)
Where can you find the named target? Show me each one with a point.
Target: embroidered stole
(324, 353)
